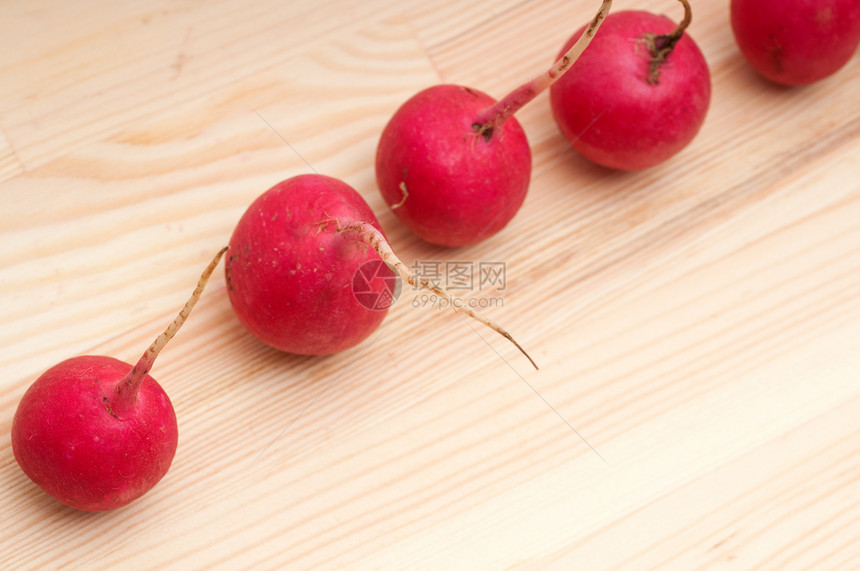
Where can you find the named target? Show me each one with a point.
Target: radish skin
(796, 42)
(97, 433)
(454, 164)
(638, 96)
(293, 259)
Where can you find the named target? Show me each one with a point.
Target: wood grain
(697, 324)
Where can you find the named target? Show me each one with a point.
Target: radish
(454, 164)
(294, 258)
(638, 96)
(96, 433)
(796, 42)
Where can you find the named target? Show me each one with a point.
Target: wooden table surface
(697, 324)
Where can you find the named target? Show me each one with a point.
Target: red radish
(96, 433)
(638, 96)
(796, 42)
(454, 164)
(289, 278)
(293, 259)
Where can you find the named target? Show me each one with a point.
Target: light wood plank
(697, 324)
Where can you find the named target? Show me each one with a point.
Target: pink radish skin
(454, 165)
(96, 433)
(796, 42)
(290, 274)
(293, 257)
(68, 439)
(619, 109)
(454, 188)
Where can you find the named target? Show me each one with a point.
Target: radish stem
(369, 235)
(660, 46)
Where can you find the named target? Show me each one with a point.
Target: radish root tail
(369, 235)
(129, 385)
(490, 119)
